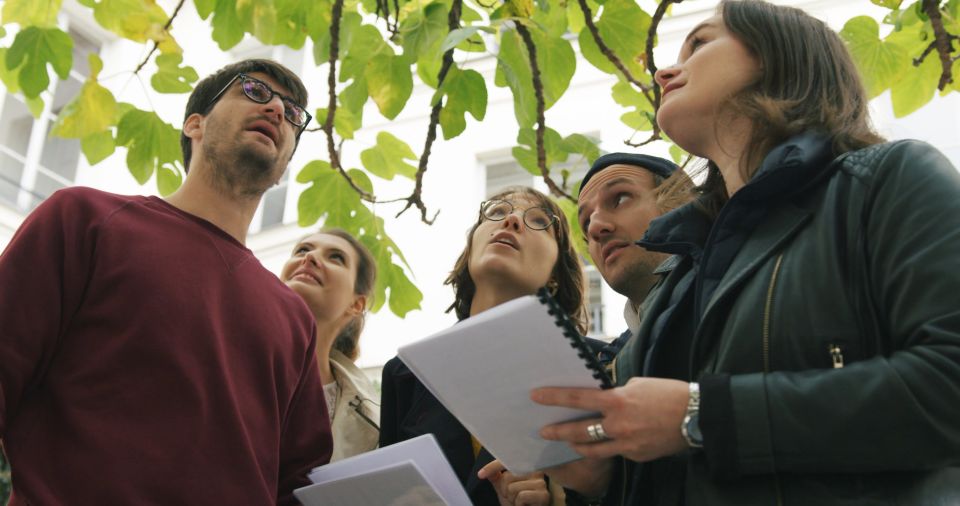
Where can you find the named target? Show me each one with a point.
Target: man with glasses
(147, 356)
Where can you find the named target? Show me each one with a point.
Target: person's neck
(325, 340)
(232, 213)
(488, 296)
(729, 154)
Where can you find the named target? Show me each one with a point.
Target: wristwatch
(690, 428)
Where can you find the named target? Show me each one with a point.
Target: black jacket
(821, 317)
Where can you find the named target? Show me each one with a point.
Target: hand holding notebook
(483, 370)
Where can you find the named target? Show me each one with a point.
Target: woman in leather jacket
(812, 299)
(335, 274)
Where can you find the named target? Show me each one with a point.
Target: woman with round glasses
(520, 243)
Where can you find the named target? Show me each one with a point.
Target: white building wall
(454, 184)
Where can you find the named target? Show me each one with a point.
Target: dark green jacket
(822, 315)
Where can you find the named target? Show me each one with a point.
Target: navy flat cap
(659, 166)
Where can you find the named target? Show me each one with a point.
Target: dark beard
(244, 172)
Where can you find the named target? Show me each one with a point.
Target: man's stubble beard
(243, 171)
(636, 278)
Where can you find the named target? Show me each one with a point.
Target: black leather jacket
(822, 317)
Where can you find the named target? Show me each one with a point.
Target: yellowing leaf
(880, 63)
(915, 87)
(41, 13)
(137, 20)
(390, 83)
(93, 110)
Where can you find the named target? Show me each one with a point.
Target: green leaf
(98, 146)
(168, 180)
(136, 20)
(880, 62)
(576, 234)
(677, 154)
(622, 26)
(345, 123)
(589, 147)
(93, 110)
(151, 143)
(557, 63)
(513, 70)
(552, 19)
(466, 92)
(404, 295)
(916, 87)
(889, 4)
(526, 152)
(460, 35)
(364, 44)
(228, 28)
(423, 31)
(390, 83)
(35, 48)
(205, 7)
(329, 196)
(171, 77)
(41, 13)
(428, 70)
(386, 158)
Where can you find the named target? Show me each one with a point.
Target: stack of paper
(483, 369)
(411, 473)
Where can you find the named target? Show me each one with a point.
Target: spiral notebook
(483, 369)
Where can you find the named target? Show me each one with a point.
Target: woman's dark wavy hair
(348, 339)
(567, 273)
(808, 82)
(201, 96)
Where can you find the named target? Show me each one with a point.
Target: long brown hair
(567, 272)
(348, 339)
(808, 82)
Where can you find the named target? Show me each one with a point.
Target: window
(33, 164)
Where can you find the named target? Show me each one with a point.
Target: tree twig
(337, 15)
(607, 52)
(943, 41)
(166, 28)
(415, 198)
(651, 67)
(541, 106)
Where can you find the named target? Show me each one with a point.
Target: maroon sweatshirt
(146, 357)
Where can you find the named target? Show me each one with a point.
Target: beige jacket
(356, 417)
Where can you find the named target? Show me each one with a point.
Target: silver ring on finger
(596, 433)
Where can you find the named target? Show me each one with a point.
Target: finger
(532, 483)
(532, 498)
(571, 432)
(589, 399)
(491, 471)
(601, 450)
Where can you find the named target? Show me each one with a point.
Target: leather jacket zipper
(836, 356)
(767, 310)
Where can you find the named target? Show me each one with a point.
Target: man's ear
(193, 126)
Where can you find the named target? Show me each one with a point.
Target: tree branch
(415, 198)
(607, 52)
(327, 127)
(943, 41)
(166, 27)
(541, 106)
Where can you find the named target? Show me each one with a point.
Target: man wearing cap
(619, 197)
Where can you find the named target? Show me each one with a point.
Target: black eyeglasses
(536, 218)
(261, 93)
